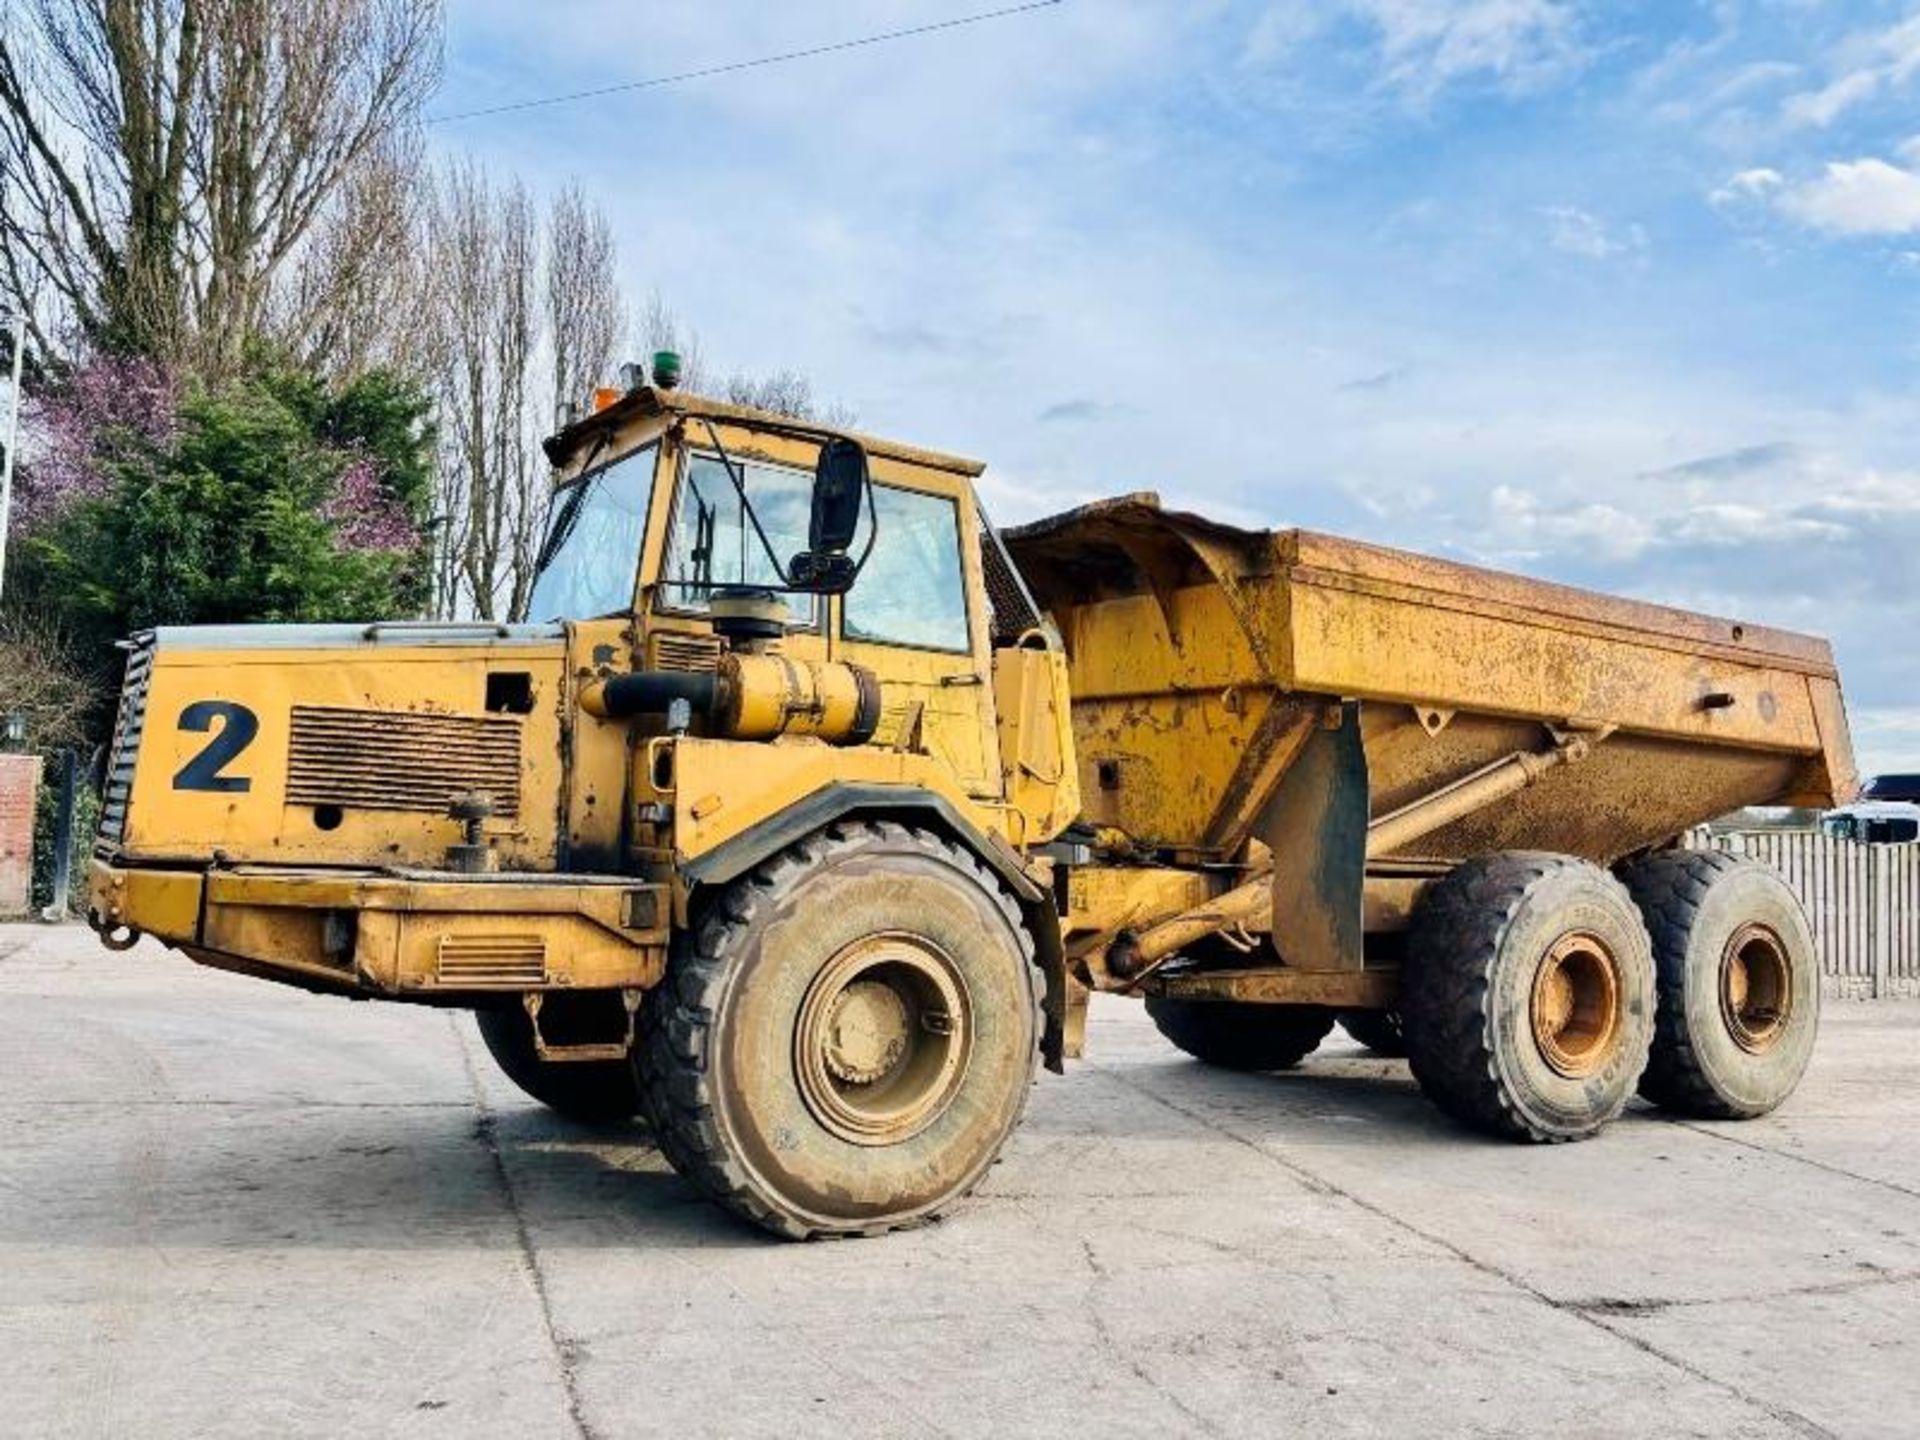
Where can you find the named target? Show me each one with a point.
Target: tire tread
(1670, 887)
(1445, 1001)
(677, 1019)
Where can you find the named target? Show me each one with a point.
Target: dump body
(1195, 649)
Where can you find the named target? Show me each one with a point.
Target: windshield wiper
(570, 509)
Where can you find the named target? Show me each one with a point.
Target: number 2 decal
(238, 726)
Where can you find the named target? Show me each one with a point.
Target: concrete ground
(231, 1209)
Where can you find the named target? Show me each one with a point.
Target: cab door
(915, 618)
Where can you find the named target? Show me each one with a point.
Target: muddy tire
(1379, 1030)
(846, 1038)
(1739, 983)
(1238, 1036)
(591, 1091)
(1528, 996)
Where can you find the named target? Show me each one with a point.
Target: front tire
(846, 1040)
(1528, 996)
(1739, 983)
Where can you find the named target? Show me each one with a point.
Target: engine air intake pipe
(752, 697)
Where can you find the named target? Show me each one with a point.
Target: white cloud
(1416, 383)
(1825, 105)
(1858, 197)
(1867, 64)
(1523, 521)
(1747, 185)
(1577, 232)
(1885, 739)
(1428, 45)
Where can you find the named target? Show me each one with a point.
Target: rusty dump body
(1214, 671)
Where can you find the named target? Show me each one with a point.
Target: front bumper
(409, 934)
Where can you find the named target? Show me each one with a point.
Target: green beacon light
(666, 369)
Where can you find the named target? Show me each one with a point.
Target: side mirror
(839, 486)
(839, 491)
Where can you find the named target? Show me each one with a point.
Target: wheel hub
(1576, 1005)
(882, 1039)
(866, 1032)
(1756, 988)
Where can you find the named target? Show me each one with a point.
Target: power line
(657, 80)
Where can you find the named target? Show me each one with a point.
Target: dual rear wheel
(1540, 992)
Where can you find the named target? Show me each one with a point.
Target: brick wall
(19, 782)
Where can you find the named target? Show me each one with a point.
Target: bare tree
(583, 298)
(360, 290)
(512, 313)
(166, 160)
(785, 392)
(48, 677)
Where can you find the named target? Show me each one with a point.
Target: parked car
(1874, 822)
(1893, 789)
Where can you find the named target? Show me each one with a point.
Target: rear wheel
(847, 1038)
(1239, 1036)
(1739, 983)
(1528, 996)
(1379, 1030)
(594, 1091)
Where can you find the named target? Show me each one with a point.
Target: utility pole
(13, 444)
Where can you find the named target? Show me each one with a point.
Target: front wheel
(847, 1038)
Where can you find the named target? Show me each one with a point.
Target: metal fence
(1863, 900)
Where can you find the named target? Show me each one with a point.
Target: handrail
(495, 628)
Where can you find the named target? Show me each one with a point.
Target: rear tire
(1239, 1036)
(847, 1037)
(1528, 996)
(1379, 1030)
(594, 1092)
(1739, 983)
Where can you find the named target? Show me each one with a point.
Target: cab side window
(713, 542)
(912, 591)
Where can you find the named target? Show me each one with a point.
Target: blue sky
(1625, 294)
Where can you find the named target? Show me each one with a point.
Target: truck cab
(665, 501)
(318, 803)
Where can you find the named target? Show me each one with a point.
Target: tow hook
(113, 936)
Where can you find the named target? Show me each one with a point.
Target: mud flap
(1317, 828)
(1057, 1042)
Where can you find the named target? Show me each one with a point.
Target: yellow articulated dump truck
(809, 814)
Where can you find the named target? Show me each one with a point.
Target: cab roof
(650, 402)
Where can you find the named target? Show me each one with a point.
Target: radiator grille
(402, 759)
(1012, 604)
(491, 962)
(117, 792)
(672, 651)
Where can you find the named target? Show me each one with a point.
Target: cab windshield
(588, 564)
